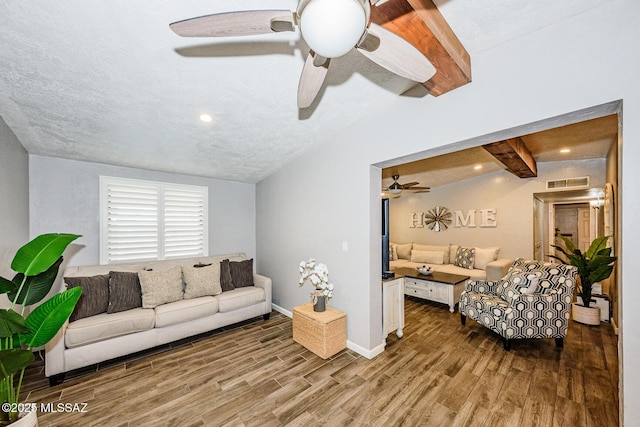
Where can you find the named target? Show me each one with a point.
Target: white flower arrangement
(318, 275)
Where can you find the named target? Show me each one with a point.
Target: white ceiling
(109, 82)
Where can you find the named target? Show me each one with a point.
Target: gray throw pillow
(95, 295)
(225, 276)
(465, 257)
(241, 273)
(124, 291)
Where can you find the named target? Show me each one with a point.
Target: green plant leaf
(567, 243)
(11, 323)
(39, 254)
(7, 286)
(14, 360)
(596, 245)
(36, 287)
(46, 320)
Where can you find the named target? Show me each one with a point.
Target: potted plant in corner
(594, 265)
(36, 265)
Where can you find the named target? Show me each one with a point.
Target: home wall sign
(440, 218)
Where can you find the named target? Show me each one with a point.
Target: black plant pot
(319, 305)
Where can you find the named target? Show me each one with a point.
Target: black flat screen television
(385, 240)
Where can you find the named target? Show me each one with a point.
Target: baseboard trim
(282, 310)
(369, 354)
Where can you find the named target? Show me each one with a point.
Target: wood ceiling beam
(515, 156)
(421, 24)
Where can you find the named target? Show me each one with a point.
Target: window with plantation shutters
(144, 220)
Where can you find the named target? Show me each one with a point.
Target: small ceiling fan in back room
(331, 28)
(396, 188)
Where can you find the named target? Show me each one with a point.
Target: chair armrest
(482, 287)
(497, 269)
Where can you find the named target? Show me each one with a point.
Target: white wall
(14, 194)
(331, 194)
(64, 198)
(512, 197)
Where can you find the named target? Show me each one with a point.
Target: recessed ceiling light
(477, 167)
(206, 118)
(565, 150)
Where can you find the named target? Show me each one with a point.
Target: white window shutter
(143, 220)
(184, 222)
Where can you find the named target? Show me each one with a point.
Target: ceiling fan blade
(313, 75)
(397, 55)
(418, 189)
(409, 184)
(242, 23)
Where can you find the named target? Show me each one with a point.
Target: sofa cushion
(185, 310)
(95, 295)
(484, 256)
(464, 257)
(201, 281)
(239, 298)
(225, 276)
(124, 291)
(404, 251)
(427, 257)
(241, 273)
(160, 287)
(105, 326)
(444, 249)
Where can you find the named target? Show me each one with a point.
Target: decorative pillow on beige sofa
(160, 287)
(404, 251)
(201, 281)
(435, 248)
(464, 257)
(427, 257)
(95, 295)
(484, 256)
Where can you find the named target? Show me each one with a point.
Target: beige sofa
(486, 264)
(106, 336)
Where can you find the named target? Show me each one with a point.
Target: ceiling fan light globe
(395, 190)
(332, 28)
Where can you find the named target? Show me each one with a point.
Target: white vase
(586, 315)
(27, 419)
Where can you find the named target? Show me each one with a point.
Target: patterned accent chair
(532, 300)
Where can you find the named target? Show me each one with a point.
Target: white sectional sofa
(483, 265)
(194, 310)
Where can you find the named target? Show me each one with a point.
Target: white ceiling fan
(331, 28)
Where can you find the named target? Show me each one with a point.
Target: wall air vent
(568, 183)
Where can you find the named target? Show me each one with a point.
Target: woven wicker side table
(323, 333)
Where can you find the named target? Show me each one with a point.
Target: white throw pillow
(444, 249)
(427, 257)
(160, 287)
(453, 251)
(201, 281)
(484, 256)
(404, 251)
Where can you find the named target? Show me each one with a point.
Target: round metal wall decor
(438, 218)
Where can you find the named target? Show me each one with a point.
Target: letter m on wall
(460, 220)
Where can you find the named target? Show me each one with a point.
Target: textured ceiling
(109, 82)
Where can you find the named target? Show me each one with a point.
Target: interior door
(584, 228)
(538, 229)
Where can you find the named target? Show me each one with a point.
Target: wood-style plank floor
(439, 374)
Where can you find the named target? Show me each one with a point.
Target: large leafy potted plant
(36, 265)
(594, 265)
